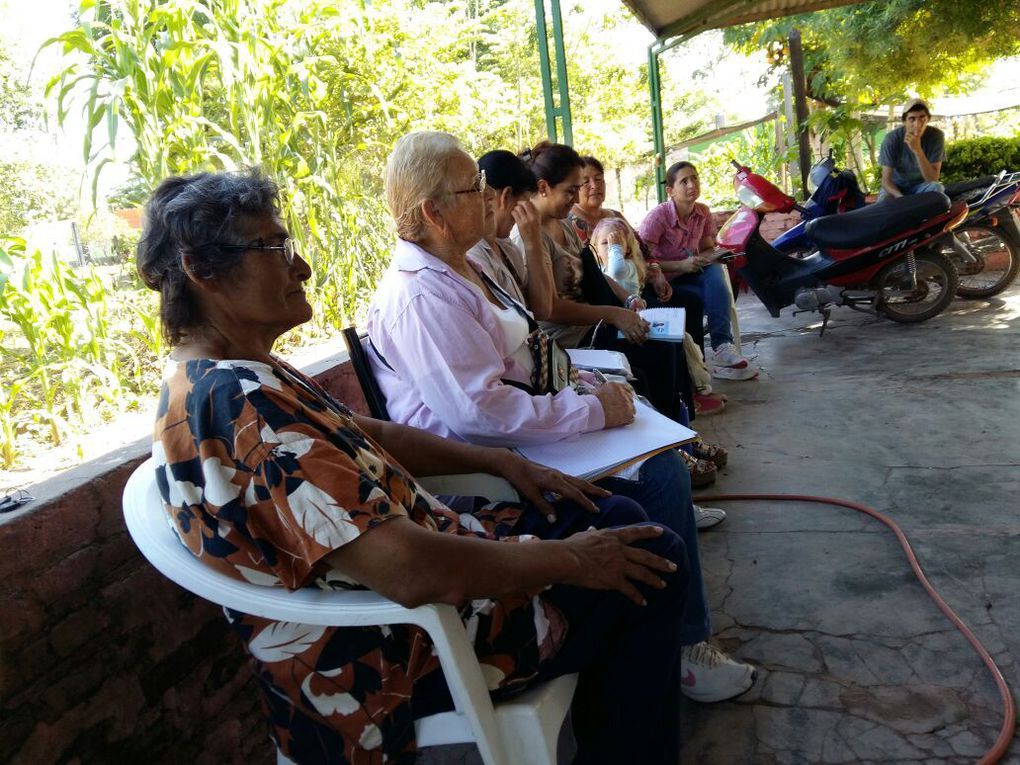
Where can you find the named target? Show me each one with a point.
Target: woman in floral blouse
(268, 479)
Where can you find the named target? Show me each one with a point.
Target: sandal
(706, 451)
(702, 471)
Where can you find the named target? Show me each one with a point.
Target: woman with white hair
(451, 357)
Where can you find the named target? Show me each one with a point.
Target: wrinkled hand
(535, 481)
(606, 560)
(529, 224)
(633, 327)
(617, 404)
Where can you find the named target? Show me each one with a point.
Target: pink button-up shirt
(669, 238)
(442, 343)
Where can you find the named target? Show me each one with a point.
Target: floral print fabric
(263, 475)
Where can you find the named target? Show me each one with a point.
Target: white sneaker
(748, 372)
(709, 675)
(707, 517)
(726, 356)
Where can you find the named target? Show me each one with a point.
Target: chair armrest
(493, 488)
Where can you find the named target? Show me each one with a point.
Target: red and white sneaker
(726, 356)
(708, 675)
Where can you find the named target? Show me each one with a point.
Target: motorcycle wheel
(900, 301)
(999, 262)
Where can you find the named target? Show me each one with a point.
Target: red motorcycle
(884, 257)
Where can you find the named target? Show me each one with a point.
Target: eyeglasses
(288, 248)
(14, 500)
(477, 186)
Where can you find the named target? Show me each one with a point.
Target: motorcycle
(886, 257)
(832, 191)
(985, 249)
(990, 234)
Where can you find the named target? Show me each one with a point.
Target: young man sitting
(912, 154)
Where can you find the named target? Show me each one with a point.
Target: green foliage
(33, 189)
(976, 157)
(878, 52)
(18, 109)
(754, 148)
(72, 355)
(34, 192)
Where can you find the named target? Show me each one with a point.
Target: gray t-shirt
(896, 154)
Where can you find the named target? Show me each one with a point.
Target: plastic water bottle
(616, 257)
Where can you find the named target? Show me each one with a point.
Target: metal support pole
(800, 103)
(561, 72)
(658, 139)
(552, 111)
(542, 36)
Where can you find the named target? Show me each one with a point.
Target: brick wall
(102, 660)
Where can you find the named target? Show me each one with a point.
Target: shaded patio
(919, 422)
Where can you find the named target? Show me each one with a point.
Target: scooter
(832, 191)
(985, 249)
(886, 257)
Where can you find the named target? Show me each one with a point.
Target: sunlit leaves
(877, 52)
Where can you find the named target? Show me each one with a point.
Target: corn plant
(65, 360)
(230, 83)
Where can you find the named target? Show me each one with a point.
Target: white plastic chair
(523, 730)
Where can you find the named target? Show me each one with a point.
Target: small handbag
(552, 370)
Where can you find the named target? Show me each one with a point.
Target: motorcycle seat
(876, 222)
(954, 189)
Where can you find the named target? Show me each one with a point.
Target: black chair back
(363, 369)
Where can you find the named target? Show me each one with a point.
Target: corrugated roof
(672, 18)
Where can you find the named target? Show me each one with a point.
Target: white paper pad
(604, 452)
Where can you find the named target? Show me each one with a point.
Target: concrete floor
(920, 422)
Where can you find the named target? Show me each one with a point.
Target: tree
(34, 188)
(878, 52)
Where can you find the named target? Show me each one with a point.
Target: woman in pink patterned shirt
(680, 234)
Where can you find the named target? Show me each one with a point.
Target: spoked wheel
(996, 264)
(900, 299)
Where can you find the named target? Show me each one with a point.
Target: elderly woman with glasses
(451, 357)
(268, 479)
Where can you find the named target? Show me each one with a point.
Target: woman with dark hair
(268, 479)
(525, 276)
(588, 210)
(585, 309)
(680, 235)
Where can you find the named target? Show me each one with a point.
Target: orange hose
(997, 751)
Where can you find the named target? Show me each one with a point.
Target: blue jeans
(915, 189)
(663, 489)
(710, 285)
